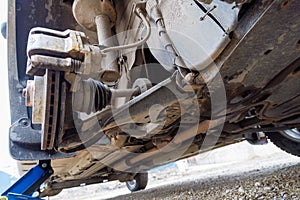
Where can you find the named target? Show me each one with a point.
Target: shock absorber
(100, 16)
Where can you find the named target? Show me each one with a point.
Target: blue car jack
(29, 183)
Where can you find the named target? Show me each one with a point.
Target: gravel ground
(277, 184)
(267, 173)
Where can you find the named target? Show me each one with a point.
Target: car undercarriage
(107, 90)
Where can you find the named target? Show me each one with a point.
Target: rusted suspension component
(100, 16)
(180, 138)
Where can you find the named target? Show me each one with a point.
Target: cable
(136, 44)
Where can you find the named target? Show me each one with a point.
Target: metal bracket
(258, 138)
(67, 51)
(28, 184)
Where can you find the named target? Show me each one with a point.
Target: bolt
(36, 194)
(75, 64)
(44, 165)
(189, 78)
(24, 122)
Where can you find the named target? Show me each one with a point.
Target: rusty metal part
(103, 30)
(266, 78)
(201, 128)
(273, 68)
(129, 28)
(141, 42)
(110, 72)
(49, 126)
(23, 15)
(42, 95)
(28, 93)
(167, 94)
(64, 113)
(133, 161)
(116, 93)
(100, 16)
(39, 100)
(41, 62)
(85, 12)
(61, 51)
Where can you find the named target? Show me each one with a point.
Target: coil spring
(75, 65)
